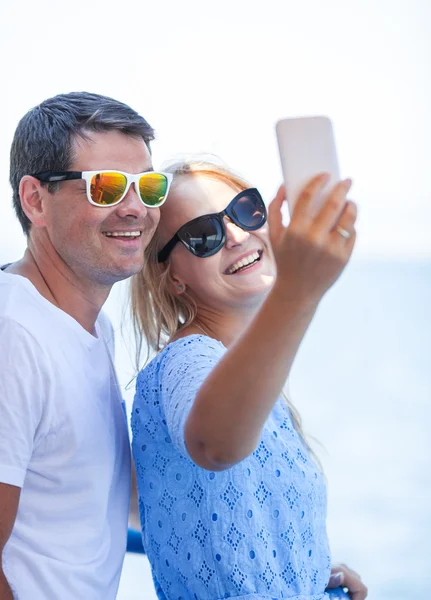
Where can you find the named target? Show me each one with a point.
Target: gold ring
(346, 234)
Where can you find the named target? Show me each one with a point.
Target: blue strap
(134, 541)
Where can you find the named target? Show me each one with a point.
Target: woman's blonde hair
(158, 314)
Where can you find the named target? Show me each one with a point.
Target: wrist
(292, 301)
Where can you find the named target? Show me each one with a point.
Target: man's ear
(31, 194)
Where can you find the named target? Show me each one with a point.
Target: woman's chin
(255, 292)
(262, 282)
(268, 280)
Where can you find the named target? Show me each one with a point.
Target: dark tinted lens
(203, 237)
(249, 211)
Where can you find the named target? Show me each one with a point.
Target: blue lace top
(256, 530)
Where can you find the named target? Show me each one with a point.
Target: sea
(362, 383)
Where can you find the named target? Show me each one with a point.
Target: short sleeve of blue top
(256, 530)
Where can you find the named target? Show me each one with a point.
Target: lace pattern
(255, 529)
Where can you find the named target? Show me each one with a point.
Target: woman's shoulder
(182, 353)
(175, 373)
(194, 343)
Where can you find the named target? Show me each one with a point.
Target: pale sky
(216, 76)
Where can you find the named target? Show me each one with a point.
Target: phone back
(307, 148)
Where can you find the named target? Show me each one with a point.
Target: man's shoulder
(19, 303)
(27, 321)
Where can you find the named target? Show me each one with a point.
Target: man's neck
(61, 287)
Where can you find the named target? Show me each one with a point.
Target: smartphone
(307, 147)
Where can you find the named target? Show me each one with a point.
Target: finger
(356, 589)
(360, 594)
(335, 580)
(348, 216)
(333, 206)
(343, 567)
(345, 228)
(275, 221)
(345, 245)
(302, 212)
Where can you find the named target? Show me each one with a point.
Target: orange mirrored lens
(107, 188)
(153, 188)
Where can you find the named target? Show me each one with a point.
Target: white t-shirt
(64, 441)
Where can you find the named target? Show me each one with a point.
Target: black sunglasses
(206, 235)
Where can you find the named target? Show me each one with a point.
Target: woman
(232, 502)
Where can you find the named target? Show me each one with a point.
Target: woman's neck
(225, 327)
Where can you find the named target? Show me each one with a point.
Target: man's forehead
(110, 150)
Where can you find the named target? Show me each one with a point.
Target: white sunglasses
(108, 188)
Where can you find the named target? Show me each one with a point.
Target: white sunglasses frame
(130, 178)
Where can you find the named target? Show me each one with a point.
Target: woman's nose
(235, 236)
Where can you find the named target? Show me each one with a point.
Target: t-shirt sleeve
(23, 400)
(185, 367)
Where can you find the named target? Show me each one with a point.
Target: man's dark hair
(43, 140)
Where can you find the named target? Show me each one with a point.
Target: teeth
(122, 233)
(244, 262)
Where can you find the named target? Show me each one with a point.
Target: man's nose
(132, 205)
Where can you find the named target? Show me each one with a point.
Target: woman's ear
(179, 286)
(31, 195)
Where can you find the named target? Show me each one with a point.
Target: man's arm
(9, 499)
(25, 419)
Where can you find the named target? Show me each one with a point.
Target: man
(64, 448)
